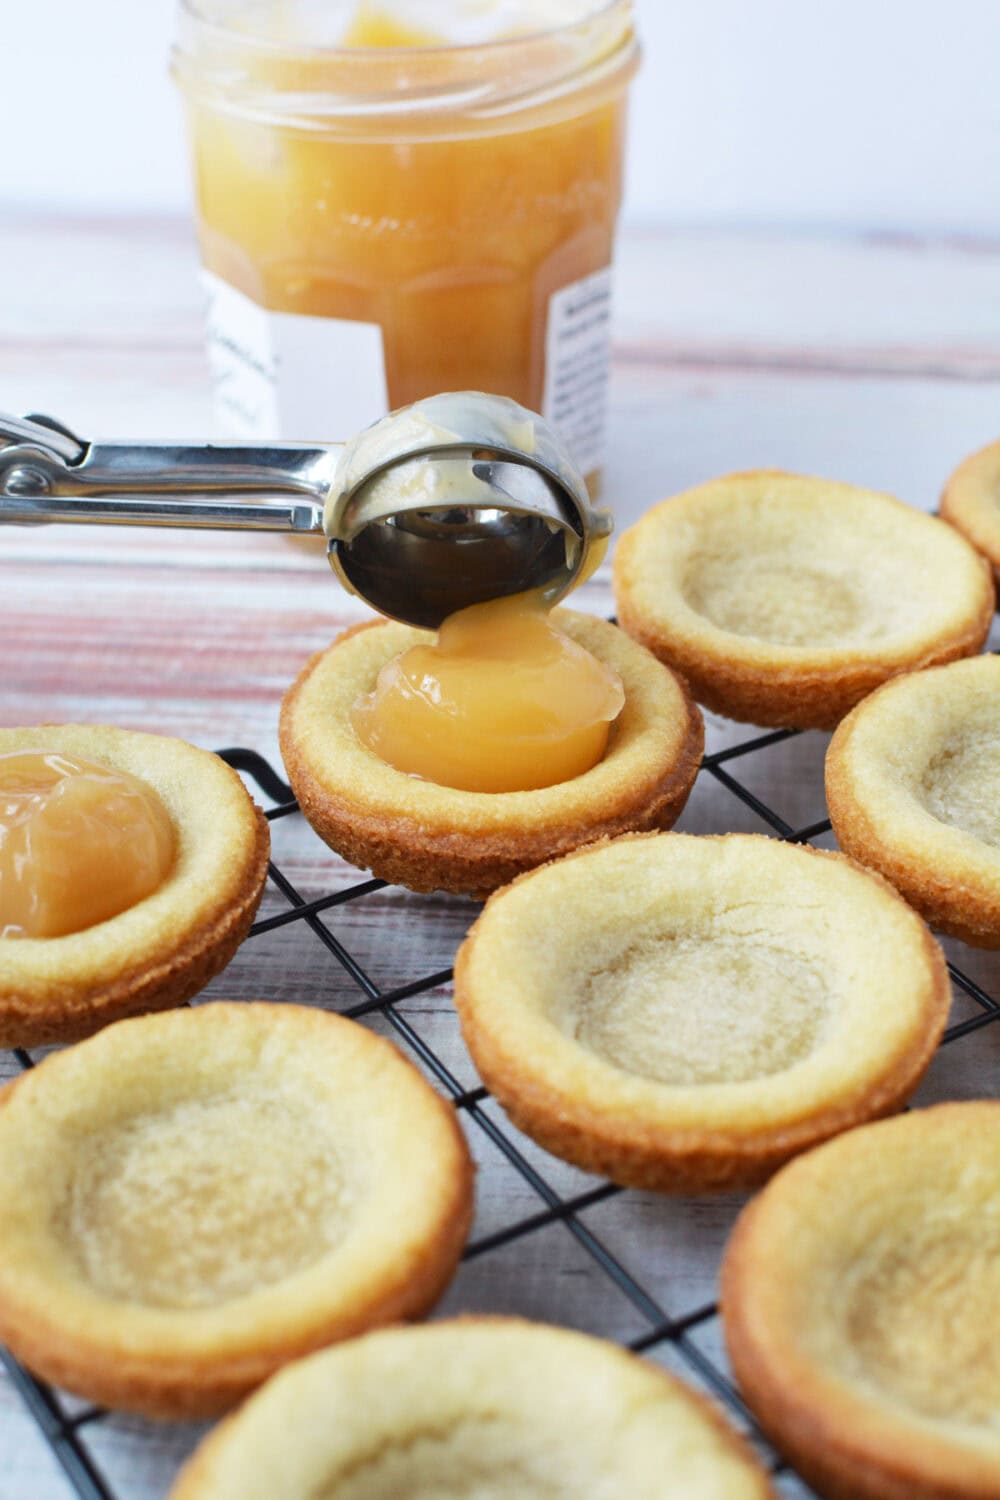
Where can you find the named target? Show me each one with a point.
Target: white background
(861, 114)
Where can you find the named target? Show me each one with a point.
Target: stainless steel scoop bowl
(457, 499)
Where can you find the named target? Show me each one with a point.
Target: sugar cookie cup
(860, 1296)
(685, 1014)
(784, 600)
(163, 950)
(431, 837)
(492, 1407)
(913, 789)
(971, 503)
(193, 1199)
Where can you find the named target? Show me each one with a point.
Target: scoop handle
(281, 487)
(217, 515)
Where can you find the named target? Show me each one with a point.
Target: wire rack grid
(685, 1338)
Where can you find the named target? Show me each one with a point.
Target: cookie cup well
(193, 1199)
(913, 788)
(430, 837)
(492, 1407)
(859, 1296)
(784, 600)
(163, 950)
(685, 1014)
(971, 503)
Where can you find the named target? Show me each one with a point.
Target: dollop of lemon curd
(79, 843)
(415, 23)
(371, 26)
(502, 701)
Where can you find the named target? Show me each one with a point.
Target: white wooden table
(872, 361)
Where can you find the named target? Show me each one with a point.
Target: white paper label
(577, 367)
(289, 375)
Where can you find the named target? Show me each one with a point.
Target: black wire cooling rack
(69, 1430)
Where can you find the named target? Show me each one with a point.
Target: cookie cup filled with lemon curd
(860, 1296)
(913, 788)
(971, 503)
(164, 949)
(511, 1411)
(685, 1014)
(193, 1199)
(426, 836)
(785, 600)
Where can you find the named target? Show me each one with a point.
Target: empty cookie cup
(913, 788)
(483, 1408)
(420, 834)
(971, 503)
(685, 1014)
(193, 1199)
(860, 1296)
(785, 600)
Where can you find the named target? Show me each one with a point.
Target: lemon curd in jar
(374, 26)
(398, 199)
(502, 701)
(79, 843)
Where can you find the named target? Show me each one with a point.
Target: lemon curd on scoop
(502, 701)
(79, 843)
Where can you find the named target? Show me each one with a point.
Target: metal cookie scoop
(449, 502)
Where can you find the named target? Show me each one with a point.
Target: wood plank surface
(874, 361)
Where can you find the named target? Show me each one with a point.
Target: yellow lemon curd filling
(502, 701)
(79, 843)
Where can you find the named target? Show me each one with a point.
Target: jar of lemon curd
(398, 197)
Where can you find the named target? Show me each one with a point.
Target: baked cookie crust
(913, 789)
(165, 949)
(684, 1014)
(496, 1407)
(193, 1199)
(971, 503)
(860, 1296)
(429, 837)
(785, 600)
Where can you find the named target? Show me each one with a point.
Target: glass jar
(381, 223)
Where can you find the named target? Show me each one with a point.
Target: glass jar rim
(599, 11)
(370, 89)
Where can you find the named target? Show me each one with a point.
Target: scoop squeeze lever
(454, 500)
